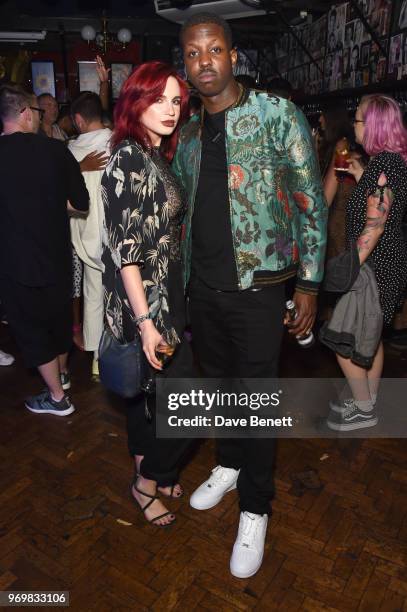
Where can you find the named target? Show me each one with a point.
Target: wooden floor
(67, 522)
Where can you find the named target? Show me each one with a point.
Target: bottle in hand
(307, 340)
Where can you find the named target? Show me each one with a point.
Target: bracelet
(142, 318)
(76, 328)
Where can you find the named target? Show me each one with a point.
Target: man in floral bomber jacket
(256, 218)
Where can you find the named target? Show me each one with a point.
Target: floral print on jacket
(278, 209)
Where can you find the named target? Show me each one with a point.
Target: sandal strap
(160, 516)
(152, 498)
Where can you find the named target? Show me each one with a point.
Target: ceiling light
(22, 36)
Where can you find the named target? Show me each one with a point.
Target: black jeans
(161, 456)
(238, 334)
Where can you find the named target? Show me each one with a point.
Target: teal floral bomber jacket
(277, 206)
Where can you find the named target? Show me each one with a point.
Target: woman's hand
(355, 168)
(102, 71)
(151, 339)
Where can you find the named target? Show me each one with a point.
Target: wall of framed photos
(346, 57)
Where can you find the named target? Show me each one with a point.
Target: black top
(213, 260)
(39, 175)
(389, 257)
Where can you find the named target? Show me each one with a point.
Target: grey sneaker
(65, 380)
(351, 418)
(44, 404)
(341, 406)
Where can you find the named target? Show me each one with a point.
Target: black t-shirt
(213, 260)
(38, 176)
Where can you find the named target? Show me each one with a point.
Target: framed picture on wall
(43, 78)
(88, 77)
(120, 73)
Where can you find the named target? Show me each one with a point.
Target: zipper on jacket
(230, 206)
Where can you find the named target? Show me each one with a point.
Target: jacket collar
(240, 100)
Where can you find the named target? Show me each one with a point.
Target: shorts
(40, 319)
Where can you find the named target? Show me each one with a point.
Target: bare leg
(50, 373)
(63, 362)
(176, 491)
(157, 507)
(375, 373)
(357, 379)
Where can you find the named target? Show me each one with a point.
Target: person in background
(86, 233)
(374, 216)
(280, 87)
(256, 217)
(94, 161)
(335, 147)
(49, 125)
(65, 122)
(41, 178)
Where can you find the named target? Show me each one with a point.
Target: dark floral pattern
(142, 208)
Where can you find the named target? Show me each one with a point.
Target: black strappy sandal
(152, 499)
(171, 495)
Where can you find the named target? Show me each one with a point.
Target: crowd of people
(224, 205)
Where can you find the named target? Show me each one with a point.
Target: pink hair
(384, 128)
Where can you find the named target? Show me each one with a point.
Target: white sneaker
(6, 359)
(210, 492)
(247, 555)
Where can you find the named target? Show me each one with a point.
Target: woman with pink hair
(374, 216)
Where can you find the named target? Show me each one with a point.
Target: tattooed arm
(378, 208)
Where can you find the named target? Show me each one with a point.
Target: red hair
(143, 87)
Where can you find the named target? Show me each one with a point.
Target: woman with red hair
(144, 207)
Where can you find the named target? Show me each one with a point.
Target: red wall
(80, 51)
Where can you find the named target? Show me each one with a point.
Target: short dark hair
(201, 18)
(13, 98)
(88, 106)
(45, 95)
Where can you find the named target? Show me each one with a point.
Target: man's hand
(94, 161)
(306, 307)
(103, 72)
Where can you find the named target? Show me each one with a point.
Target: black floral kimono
(144, 207)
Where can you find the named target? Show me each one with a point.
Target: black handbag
(122, 367)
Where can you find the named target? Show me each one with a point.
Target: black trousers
(162, 456)
(238, 334)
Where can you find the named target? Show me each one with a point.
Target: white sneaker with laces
(210, 492)
(6, 359)
(248, 550)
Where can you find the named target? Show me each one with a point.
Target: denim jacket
(278, 211)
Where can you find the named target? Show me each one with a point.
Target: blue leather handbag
(122, 367)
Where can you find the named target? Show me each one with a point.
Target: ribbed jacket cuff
(310, 287)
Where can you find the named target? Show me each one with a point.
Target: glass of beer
(341, 161)
(164, 353)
